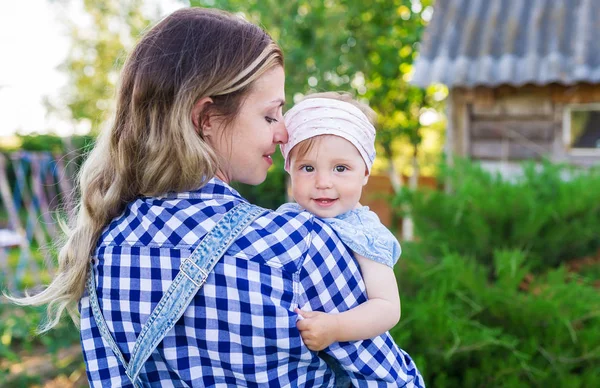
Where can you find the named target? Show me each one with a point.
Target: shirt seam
(296, 274)
(168, 246)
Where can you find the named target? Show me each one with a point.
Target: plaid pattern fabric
(240, 329)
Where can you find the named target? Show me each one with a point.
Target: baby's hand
(317, 329)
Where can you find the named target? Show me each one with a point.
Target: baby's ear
(366, 179)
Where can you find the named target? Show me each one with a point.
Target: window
(581, 127)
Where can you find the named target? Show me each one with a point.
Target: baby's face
(328, 180)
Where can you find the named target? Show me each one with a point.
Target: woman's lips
(268, 159)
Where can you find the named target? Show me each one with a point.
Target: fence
(34, 187)
(378, 192)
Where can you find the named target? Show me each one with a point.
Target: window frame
(576, 151)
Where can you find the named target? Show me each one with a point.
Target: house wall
(508, 124)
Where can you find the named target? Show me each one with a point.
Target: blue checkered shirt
(240, 329)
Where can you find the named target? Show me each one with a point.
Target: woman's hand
(318, 330)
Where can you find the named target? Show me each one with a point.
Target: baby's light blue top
(361, 230)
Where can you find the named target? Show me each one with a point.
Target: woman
(199, 106)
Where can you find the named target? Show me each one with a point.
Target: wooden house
(523, 78)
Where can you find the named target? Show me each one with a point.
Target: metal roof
(510, 42)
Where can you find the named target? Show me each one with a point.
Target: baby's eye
(270, 120)
(307, 168)
(340, 168)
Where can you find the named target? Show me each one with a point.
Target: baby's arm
(367, 320)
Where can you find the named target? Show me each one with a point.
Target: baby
(329, 156)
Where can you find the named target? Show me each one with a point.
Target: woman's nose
(281, 135)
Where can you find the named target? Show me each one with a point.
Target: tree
(97, 53)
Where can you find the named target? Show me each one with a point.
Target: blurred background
(487, 151)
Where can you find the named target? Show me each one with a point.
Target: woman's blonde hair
(153, 146)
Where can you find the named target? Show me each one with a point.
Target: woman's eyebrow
(281, 101)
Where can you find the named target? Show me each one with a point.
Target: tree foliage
(98, 49)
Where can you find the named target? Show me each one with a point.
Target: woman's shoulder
(283, 238)
(294, 216)
(279, 238)
(298, 224)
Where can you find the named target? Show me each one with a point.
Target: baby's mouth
(325, 201)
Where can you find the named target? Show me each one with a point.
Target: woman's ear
(201, 121)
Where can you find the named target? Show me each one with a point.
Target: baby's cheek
(359, 195)
(348, 205)
(299, 193)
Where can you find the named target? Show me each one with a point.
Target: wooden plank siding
(511, 139)
(508, 123)
(536, 130)
(508, 150)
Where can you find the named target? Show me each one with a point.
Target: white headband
(325, 116)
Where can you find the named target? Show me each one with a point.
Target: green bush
(18, 339)
(552, 212)
(464, 330)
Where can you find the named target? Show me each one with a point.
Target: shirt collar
(214, 188)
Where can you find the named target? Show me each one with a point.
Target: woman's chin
(254, 179)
